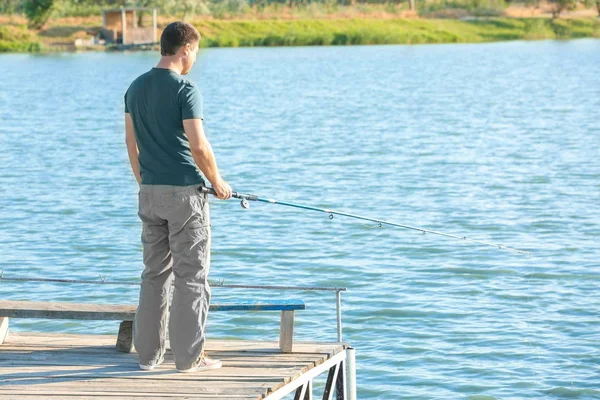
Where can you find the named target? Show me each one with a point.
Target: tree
(562, 5)
(38, 12)
(11, 6)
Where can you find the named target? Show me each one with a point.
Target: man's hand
(222, 189)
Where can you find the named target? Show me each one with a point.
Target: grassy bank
(389, 31)
(18, 39)
(350, 31)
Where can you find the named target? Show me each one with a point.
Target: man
(167, 149)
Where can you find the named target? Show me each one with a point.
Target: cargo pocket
(189, 225)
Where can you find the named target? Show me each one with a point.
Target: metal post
(123, 25)
(154, 24)
(351, 373)
(338, 295)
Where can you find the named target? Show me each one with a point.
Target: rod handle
(205, 190)
(236, 195)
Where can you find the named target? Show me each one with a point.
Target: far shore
(62, 34)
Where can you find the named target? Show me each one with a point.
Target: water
(497, 142)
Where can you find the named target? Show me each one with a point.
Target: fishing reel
(244, 199)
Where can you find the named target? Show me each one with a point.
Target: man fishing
(167, 150)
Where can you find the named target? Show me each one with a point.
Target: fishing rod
(252, 197)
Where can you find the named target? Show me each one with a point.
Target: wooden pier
(60, 366)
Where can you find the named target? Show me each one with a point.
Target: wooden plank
(141, 391)
(103, 355)
(276, 379)
(91, 344)
(79, 395)
(100, 360)
(88, 366)
(259, 305)
(24, 370)
(54, 345)
(170, 377)
(137, 375)
(125, 337)
(93, 372)
(112, 353)
(145, 386)
(218, 348)
(123, 312)
(211, 342)
(286, 331)
(97, 356)
(149, 382)
(56, 310)
(123, 385)
(3, 329)
(45, 338)
(97, 396)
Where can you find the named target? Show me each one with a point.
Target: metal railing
(102, 280)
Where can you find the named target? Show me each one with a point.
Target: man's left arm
(132, 149)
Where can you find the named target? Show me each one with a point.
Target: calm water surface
(498, 142)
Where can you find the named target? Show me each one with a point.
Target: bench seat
(126, 314)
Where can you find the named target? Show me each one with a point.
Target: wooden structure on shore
(57, 366)
(121, 26)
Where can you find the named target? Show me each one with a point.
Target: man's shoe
(203, 364)
(152, 365)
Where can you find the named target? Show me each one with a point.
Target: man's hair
(176, 35)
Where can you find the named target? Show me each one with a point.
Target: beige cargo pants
(176, 242)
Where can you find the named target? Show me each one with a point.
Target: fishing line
(245, 198)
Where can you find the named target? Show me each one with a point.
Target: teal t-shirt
(158, 102)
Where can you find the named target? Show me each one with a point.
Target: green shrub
(12, 47)
(537, 28)
(456, 9)
(225, 8)
(596, 28)
(18, 39)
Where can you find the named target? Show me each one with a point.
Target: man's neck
(169, 63)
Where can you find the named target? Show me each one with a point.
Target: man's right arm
(204, 157)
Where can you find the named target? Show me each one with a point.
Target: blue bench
(126, 314)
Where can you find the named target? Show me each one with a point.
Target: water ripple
(498, 142)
